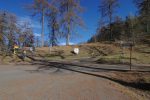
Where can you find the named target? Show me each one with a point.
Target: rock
(76, 50)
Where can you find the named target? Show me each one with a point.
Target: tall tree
(144, 11)
(39, 8)
(3, 23)
(8, 31)
(12, 31)
(107, 9)
(53, 23)
(70, 10)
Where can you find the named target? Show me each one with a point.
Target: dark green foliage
(103, 33)
(2, 29)
(135, 29)
(144, 14)
(107, 9)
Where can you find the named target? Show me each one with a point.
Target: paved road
(26, 82)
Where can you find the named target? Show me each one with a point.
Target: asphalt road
(47, 82)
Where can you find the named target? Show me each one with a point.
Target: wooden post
(49, 50)
(130, 56)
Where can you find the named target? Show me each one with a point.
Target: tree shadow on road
(46, 65)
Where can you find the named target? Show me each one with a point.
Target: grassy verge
(13, 59)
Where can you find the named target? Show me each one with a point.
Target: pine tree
(144, 12)
(2, 30)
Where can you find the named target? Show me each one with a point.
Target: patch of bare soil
(139, 82)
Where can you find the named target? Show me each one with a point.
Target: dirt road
(25, 82)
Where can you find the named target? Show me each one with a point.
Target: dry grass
(139, 82)
(104, 52)
(86, 50)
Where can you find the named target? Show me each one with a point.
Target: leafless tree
(38, 7)
(53, 23)
(107, 9)
(70, 10)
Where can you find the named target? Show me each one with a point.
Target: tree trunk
(147, 27)
(148, 16)
(42, 34)
(68, 34)
(110, 20)
(53, 37)
(67, 39)
(110, 30)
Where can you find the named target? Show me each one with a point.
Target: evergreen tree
(144, 12)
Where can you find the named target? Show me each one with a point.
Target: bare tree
(70, 10)
(37, 41)
(12, 31)
(38, 8)
(53, 24)
(107, 9)
(26, 37)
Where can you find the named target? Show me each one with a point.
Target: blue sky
(90, 15)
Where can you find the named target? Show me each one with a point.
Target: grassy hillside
(101, 52)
